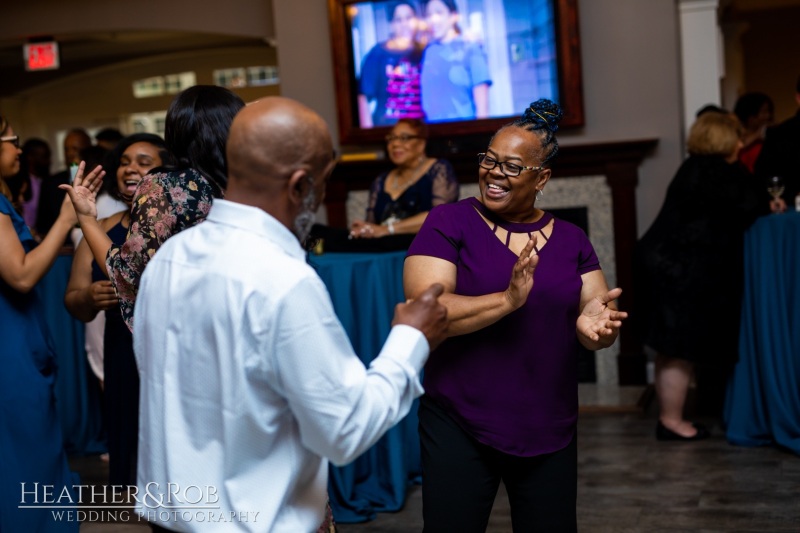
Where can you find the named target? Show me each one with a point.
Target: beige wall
(48, 17)
(630, 71)
(631, 87)
(104, 97)
(304, 50)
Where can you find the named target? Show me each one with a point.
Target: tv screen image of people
(451, 60)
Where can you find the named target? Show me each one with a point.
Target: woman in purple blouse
(521, 290)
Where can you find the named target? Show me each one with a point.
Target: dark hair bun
(543, 114)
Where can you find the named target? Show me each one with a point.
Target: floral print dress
(165, 203)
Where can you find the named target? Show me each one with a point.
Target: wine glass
(775, 187)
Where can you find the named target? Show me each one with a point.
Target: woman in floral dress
(170, 199)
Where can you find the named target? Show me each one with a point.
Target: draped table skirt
(364, 288)
(763, 397)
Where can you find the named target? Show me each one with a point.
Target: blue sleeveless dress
(31, 445)
(122, 385)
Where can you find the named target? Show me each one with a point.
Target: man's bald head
(272, 139)
(279, 156)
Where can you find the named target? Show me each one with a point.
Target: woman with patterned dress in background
(170, 200)
(399, 200)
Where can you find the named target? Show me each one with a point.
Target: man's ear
(298, 182)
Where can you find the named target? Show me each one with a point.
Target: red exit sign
(41, 56)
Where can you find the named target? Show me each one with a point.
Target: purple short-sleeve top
(512, 385)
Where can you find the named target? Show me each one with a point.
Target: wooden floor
(629, 482)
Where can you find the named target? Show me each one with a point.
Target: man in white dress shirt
(249, 384)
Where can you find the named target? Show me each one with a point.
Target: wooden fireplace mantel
(618, 161)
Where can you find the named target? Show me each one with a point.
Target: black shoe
(663, 433)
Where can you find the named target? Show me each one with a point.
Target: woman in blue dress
(31, 443)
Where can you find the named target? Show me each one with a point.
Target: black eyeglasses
(509, 169)
(13, 139)
(403, 138)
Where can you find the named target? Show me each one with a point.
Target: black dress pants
(122, 400)
(460, 478)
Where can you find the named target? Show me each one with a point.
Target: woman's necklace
(396, 184)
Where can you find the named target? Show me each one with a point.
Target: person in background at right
(780, 155)
(755, 111)
(688, 273)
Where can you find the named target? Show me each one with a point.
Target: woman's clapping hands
(522, 276)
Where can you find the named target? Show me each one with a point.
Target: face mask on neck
(305, 220)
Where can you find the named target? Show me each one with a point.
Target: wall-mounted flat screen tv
(462, 66)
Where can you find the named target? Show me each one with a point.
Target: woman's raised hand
(522, 275)
(84, 188)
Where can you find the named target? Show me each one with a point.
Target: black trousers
(122, 400)
(460, 478)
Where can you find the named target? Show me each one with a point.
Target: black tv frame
(568, 66)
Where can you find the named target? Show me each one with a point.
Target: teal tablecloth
(763, 397)
(364, 288)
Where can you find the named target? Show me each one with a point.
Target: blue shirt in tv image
(455, 75)
(450, 72)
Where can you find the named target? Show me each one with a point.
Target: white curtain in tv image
(451, 60)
